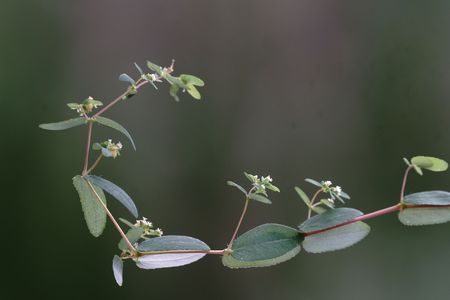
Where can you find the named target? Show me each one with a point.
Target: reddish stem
(88, 146)
(405, 177)
(105, 108)
(230, 244)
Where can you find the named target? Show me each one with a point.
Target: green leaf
(133, 235)
(259, 198)
(117, 266)
(418, 170)
(430, 163)
(170, 243)
(96, 146)
(231, 183)
(94, 213)
(64, 124)
(330, 218)
(337, 238)
(428, 198)
(406, 161)
(313, 182)
(126, 78)
(191, 79)
(319, 209)
(114, 125)
(416, 216)
(116, 192)
(174, 80)
(263, 246)
(73, 105)
(138, 68)
(155, 68)
(126, 222)
(173, 91)
(327, 203)
(192, 90)
(303, 196)
(252, 178)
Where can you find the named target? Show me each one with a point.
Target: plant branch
(312, 202)
(124, 236)
(99, 158)
(88, 146)
(212, 252)
(405, 177)
(244, 210)
(121, 97)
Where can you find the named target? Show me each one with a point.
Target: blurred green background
(338, 90)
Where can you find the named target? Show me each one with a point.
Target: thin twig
(97, 161)
(230, 244)
(312, 202)
(88, 146)
(405, 177)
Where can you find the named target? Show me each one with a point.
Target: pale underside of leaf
(424, 215)
(114, 125)
(159, 261)
(64, 124)
(117, 266)
(336, 239)
(94, 213)
(231, 262)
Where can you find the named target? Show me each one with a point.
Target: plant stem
(230, 244)
(109, 105)
(360, 218)
(405, 177)
(88, 146)
(213, 252)
(124, 236)
(312, 202)
(99, 158)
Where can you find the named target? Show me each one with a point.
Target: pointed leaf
(259, 198)
(126, 222)
(170, 243)
(117, 266)
(416, 216)
(337, 238)
(114, 191)
(428, 198)
(231, 183)
(94, 213)
(126, 78)
(155, 68)
(418, 170)
(263, 246)
(114, 125)
(303, 196)
(192, 90)
(430, 163)
(133, 235)
(312, 181)
(138, 68)
(64, 124)
(330, 218)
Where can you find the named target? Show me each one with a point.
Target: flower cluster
(148, 228)
(261, 184)
(108, 148)
(86, 106)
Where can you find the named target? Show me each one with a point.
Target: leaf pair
(90, 190)
(426, 208)
(427, 162)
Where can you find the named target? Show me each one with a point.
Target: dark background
(338, 90)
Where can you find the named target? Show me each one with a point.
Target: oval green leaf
(417, 216)
(430, 163)
(133, 235)
(64, 124)
(114, 191)
(117, 266)
(94, 213)
(125, 77)
(114, 125)
(259, 198)
(313, 182)
(428, 198)
(151, 258)
(330, 218)
(173, 91)
(263, 246)
(191, 79)
(337, 238)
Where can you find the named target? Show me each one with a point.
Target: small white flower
(268, 178)
(327, 183)
(330, 200)
(338, 190)
(119, 145)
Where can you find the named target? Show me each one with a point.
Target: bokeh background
(338, 90)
